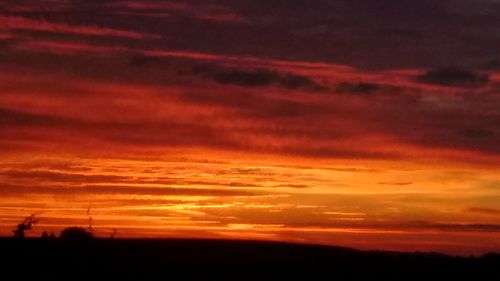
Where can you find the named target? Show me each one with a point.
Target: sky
(367, 124)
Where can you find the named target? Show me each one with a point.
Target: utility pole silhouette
(91, 221)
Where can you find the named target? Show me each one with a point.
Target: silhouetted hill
(176, 259)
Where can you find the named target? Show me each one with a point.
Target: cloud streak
(454, 77)
(198, 11)
(257, 78)
(13, 23)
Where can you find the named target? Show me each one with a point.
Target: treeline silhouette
(77, 254)
(178, 259)
(71, 233)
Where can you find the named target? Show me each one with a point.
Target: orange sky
(162, 133)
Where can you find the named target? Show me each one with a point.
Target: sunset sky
(360, 123)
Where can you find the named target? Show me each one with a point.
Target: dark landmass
(178, 259)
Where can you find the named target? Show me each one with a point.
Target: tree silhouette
(75, 233)
(27, 224)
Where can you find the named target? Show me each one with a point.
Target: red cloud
(15, 23)
(200, 12)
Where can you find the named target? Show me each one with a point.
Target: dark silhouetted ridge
(177, 259)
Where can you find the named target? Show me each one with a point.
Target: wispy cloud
(484, 211)
(13, 23)
(198, 11)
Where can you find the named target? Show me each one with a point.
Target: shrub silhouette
(75, 233)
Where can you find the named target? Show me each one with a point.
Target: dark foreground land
(38, 259)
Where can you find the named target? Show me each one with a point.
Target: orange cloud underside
(202, 194)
